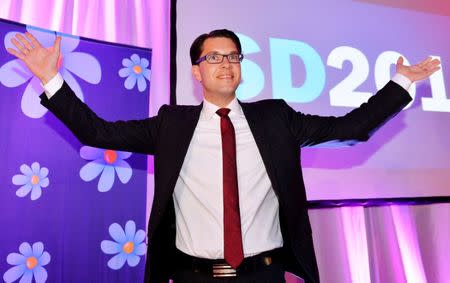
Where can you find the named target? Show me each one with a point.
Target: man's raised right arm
(134, 135)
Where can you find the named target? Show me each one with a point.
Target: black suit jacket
(279, 132)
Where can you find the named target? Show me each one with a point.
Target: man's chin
(227, 93)
(222, 92)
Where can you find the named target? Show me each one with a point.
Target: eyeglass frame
(203, 58)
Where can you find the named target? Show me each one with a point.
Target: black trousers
(273, 273)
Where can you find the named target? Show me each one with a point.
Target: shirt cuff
(402, 80)
(53, 85)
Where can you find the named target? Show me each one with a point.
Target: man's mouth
(225, 76)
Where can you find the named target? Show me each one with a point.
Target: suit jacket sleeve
(357, 125)
(134, 135)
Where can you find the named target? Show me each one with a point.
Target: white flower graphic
(107, 163)
(135, 70)
(33, 179)
(127, 246)
(28, 264)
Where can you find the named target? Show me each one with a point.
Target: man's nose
(225, 62)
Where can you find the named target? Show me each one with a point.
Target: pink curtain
(395, 243)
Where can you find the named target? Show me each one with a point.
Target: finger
(432, 64)
(33, 39)
(15, 53)
(436, 69)
(425, 61)
(57, 44)
(24, 41)
(432, 71)
(19, 46)
(435, 62)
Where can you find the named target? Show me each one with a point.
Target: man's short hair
(197, 45)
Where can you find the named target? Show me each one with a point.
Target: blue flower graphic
(135, 70)
(128, 245)
(106, 162)
(28, 263)
(14, 73)
(33, 179)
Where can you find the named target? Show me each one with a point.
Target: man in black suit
(229, 202)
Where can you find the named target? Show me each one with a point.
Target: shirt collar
(209, 109)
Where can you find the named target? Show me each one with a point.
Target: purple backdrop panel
(68, 212)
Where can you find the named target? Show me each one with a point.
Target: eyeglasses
(218, 58)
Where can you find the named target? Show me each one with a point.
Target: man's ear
(196, 73)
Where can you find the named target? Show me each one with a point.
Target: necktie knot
(223, 112)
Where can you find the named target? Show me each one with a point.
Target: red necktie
(233, 250)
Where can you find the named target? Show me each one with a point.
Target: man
(229, 202)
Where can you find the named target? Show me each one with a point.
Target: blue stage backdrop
(68, 212)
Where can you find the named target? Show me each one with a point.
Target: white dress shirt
(198, 195)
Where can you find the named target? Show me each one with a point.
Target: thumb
(400, 61)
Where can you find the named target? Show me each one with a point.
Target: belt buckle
(223, 270)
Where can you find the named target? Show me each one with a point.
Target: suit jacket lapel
(258, 126)
(184, 139)
(186, 123)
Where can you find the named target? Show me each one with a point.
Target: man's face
(222, 78)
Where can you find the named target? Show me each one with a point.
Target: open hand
(419, 71)
(42, 62)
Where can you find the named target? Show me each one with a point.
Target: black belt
(220, 268)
